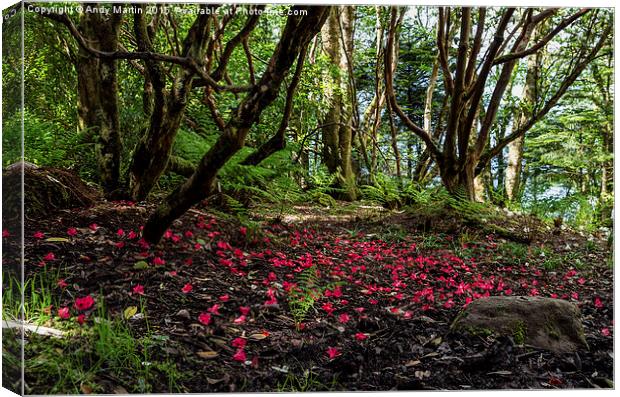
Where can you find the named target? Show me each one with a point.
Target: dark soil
(392, 278)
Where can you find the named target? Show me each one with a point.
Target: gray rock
(545, 323)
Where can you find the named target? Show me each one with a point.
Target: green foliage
(418, 195)
(46, 144)
(514, 252)
(191, 145)
(567, 151)
(271, 181)
(303, 296)
(549, 260)
(37, 294)
(519, 333)
(394, 234)
(108, 346)
(321, 187)
(468, 209)
(564, 153)
(430, 242)
(385, 191)
(293, 383)
(576, 209)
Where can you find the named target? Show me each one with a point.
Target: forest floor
(221, 306)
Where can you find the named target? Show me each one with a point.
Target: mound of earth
(45, 190)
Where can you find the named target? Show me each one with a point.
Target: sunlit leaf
(129, 312)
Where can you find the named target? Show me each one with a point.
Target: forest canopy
(276, 103)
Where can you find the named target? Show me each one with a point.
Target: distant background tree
(511, 106)
(464, 151)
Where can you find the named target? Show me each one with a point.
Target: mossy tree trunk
(98, 111)
(298, 32)
(337, 37)
(164, 106)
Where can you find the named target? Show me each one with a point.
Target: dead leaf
(119, 390)
(208, 354)
(57, 240)
(129, 312)
(502, 373)
(422, 374)
(412, 363)
(436, 342)
(257, 336)
(86, 389)
(219, 341)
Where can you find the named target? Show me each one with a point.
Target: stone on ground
(546, 323)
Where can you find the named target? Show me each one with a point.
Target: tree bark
(298, 32)
(166, 107)
(512, 180)
(337, 37)
(98, 113)
(278, 141)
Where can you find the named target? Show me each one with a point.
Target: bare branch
(234, 42)
(278, 141)
(561, 26)
(442, 39)
(248, 55)
(566, 84)
(208, 100)
(185, 61)
(389, 88)
(477, 89)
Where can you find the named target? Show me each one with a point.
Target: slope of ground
(354, 299)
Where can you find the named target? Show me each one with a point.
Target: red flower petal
(204, 318)
(64, 313)
(240, 356)
(333, 352)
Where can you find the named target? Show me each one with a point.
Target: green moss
(459, 317)
(552, 331)
(519, 332)
(475, 331)
(481, 331)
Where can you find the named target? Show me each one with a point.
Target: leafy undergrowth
(354, 300)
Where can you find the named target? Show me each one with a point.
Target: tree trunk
(166, 107)
(459, 182)
(395, 145)
(98, 113)
(512, 180)
(337, 37)
(151, 155)
(295, 38)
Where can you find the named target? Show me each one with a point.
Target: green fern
(321, 187)
(385, 191)
(467, 208)
(301, 299)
